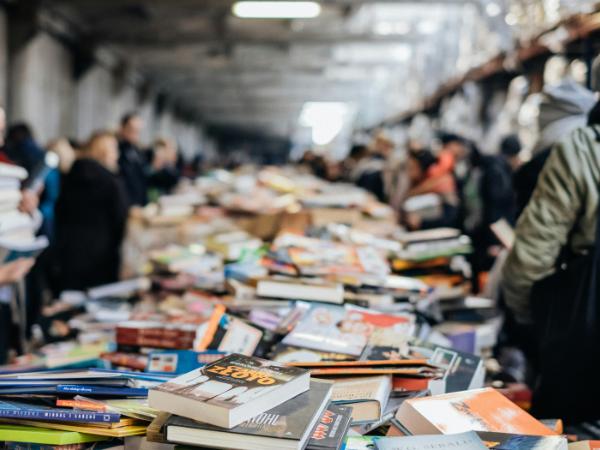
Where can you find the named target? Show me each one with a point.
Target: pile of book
(17, 229)
(338, 331)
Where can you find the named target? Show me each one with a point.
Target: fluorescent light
(276, 10)
(493, 9)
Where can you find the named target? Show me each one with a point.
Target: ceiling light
(276, 10)
(493, 9)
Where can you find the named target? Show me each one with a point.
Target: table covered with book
(271, 310)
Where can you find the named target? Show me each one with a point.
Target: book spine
(99, 390)
(59, 415)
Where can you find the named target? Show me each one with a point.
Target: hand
(15, 271)
(29, 201)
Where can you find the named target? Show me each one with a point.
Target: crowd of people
(548, 282)
(82, 207)
(548, 277)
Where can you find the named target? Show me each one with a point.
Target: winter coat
(132, 167)
(562, 212)
(91, 214)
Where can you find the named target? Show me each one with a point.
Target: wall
(45, 94)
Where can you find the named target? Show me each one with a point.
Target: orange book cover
(477, 410)
(585, 445)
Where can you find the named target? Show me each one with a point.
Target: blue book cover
(19, 410)
(101, 390)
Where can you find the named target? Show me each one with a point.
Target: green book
(35, 435)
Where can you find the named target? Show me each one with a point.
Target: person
(132, 165)
(564, 107)
(366, 167)
(164, 174)
(21, 148)
(454, 150)
(417, 170)
(66, 154)
(91, 216)
(510, 150)
(10, 274)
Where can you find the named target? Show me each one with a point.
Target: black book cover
(331, 429)
(286, 421)
(231, 381)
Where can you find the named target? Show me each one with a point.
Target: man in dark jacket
(131, 161)
(91, 215)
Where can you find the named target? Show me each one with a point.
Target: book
(504, 232)
(287, 426)
(101, 390)
(347, 330)
(36, 435)
(585, 445)
(464, 371)
(12, 171)
(13, 249)
(463, 441)
(503, 441)
(130, 430)
(19, 410)
(359, 443)
(477, 410)
(331, 429)
(300, 289)
(368, 396)
(230, 390)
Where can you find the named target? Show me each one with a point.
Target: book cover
(101, 390)
(287, 354)
(347, 330)
(230, 391)
(331, 428)
(19, 410)
(475, 410)
(502, 441)
(462, 441)
(289, 420)
(585, 445)
(37, 435)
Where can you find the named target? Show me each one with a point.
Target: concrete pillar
(42, 88)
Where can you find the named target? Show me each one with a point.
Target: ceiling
(380, 56)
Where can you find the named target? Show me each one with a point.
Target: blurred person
(132, 162)
(91, 217)
(164, 173)
(21, 148)
(66, 153)
(367, 169)
(510, 149)
(455, 149)
(355, 155)
(551, 275)
(564, 107)
(10, 274)
(418, 166)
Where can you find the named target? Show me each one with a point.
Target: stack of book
(17, 229)
(240, 402)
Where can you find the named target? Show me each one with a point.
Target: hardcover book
(230, 390)
(287, 426)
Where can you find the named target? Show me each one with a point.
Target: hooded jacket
(562, 212)
(91, 214)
